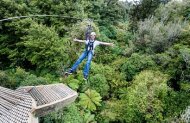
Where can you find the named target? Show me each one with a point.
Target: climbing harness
(90, 45)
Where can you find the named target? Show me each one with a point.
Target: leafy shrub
(43, 47)
(70, 114)
(173, 10)
(32, 80)
(135, 64)
(74, 84)
(78, 30)
(22, 78)
(155, 36)
(99, 83)
(5, 81)
(176, 63)
(38, 46)
(18, 75)
(112, 111)
(185, 36)
(88, 117)
(90, 99)
(175, 105)
(114, 77)
(144, 98)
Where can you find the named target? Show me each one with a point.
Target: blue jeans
(85, 54)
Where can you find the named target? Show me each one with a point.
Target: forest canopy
(144, 77)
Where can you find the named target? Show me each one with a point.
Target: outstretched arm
(107, 44)
(77, 40)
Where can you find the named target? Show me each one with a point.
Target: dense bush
(19, 77)
(90, 99)
(99, 83)
(155, 36)
(144, 99)
(143, 78)
(135, 64)
(175, 62)
(5, 80)
(70, 114)
(175, 104)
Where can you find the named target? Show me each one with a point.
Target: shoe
(69, 72)
(85, 77)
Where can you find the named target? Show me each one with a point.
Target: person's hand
(74, 39)
(112, 44)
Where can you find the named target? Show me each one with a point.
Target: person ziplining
(90, 45)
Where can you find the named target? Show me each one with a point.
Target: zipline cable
(18, 17)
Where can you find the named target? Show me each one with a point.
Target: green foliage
(174, 10)
(40, 46)
(109, 31)
(174, 104)
(99, 83)
(20, 77)
(43, 47)
(185, 36)
(106, 11)
(185, 86)
(75, 81)
(5, 80)
(112, 12)
(89, 118)
(154, 36)
(124, 39)
(90, 99)
(112, 111)
(114, 77)
(186, 9)
(135, 64)
(32, 80)
(144, 98)
(185, 53)
(78, 30)
(70, 114)
(175, 62)
(74, 84)
(73, 9)
(50, 77)
(143, 9)
(127, 86)
(11, 8)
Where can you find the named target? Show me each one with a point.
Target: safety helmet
(93, 33)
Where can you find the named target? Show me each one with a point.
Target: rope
(18, 17)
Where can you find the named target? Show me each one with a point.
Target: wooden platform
(15, 107)
(49, 97)
(25, 104)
